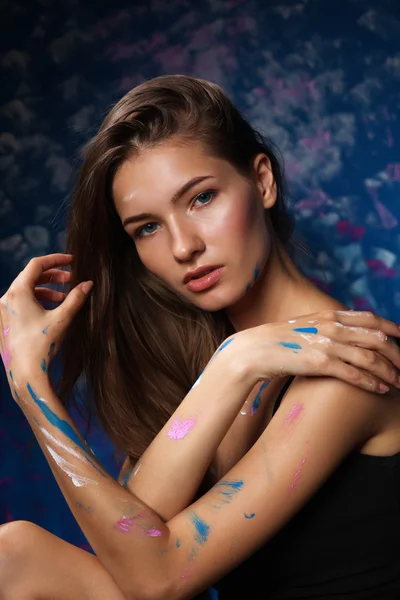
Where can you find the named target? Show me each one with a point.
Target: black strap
(282, 393)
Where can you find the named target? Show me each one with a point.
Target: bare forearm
(104, 510)
(179, 456)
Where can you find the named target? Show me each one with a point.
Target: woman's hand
(30, 335)
(349, 345)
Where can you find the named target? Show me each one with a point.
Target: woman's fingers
(373, 340)
(73, 302)
(356, 376)
(48, 295)
(364, 319)
(54, 276)
(39, 265)
(369, 361)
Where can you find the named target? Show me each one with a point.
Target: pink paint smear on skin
(153, 532)
(6, 330)
(296, 476)
(186, 573)
(180, 428)
(294, 414)
(6, 357)
(126, 524)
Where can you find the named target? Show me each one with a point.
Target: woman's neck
(281, 292)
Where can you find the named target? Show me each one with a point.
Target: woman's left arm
(152, 558)
(149, 558)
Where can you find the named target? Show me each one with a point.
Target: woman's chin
(211, 301)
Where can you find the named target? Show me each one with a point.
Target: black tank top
(343, 544)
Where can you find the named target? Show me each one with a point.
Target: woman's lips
(205, 282)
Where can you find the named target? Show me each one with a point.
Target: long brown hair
(139, 345)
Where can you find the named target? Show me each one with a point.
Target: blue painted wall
(321, 78)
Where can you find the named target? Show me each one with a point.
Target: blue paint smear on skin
(201, 527)
(250, 516)
(256, 273)
(213, 593)
(43, 366)
(46, 330)
(55, 420)
(230, 488)
(291, 345)
(51, 348)
(306, 330)
(222, 346)
(257, 399)
(95, 467)
(178, 543)
(16, 394)
(11, 375)
(126, 478)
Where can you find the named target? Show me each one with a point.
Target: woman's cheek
(228, 219)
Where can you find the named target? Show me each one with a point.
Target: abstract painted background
(321, 78)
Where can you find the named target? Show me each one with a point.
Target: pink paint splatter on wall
(179, 428)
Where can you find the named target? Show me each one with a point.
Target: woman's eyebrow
(176, 196)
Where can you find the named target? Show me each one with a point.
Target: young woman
(255, 480)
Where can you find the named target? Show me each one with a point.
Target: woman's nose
(186, 243)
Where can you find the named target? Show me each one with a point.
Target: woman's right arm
(350, 346)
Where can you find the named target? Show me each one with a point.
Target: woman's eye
(145, 230)
(205, 197)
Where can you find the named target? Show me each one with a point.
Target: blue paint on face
(257, 399)
(312, 330)
(202, 529)
(256, 273)
(291, 345)
(178, 543)
(46, 330)
(250, 516)
(16, 394)
(60, 424)
(11, 375)
(43, 366)
(51, 348)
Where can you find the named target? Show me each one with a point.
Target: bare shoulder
(377, 414)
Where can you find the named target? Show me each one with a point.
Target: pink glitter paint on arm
(296, 476)
(179, 428)
(154, 532)
(294, 414)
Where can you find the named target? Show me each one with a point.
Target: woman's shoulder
(379, 414)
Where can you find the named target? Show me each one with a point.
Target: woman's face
(187, 211)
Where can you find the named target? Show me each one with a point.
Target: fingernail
(86, 286)
(383, 388)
